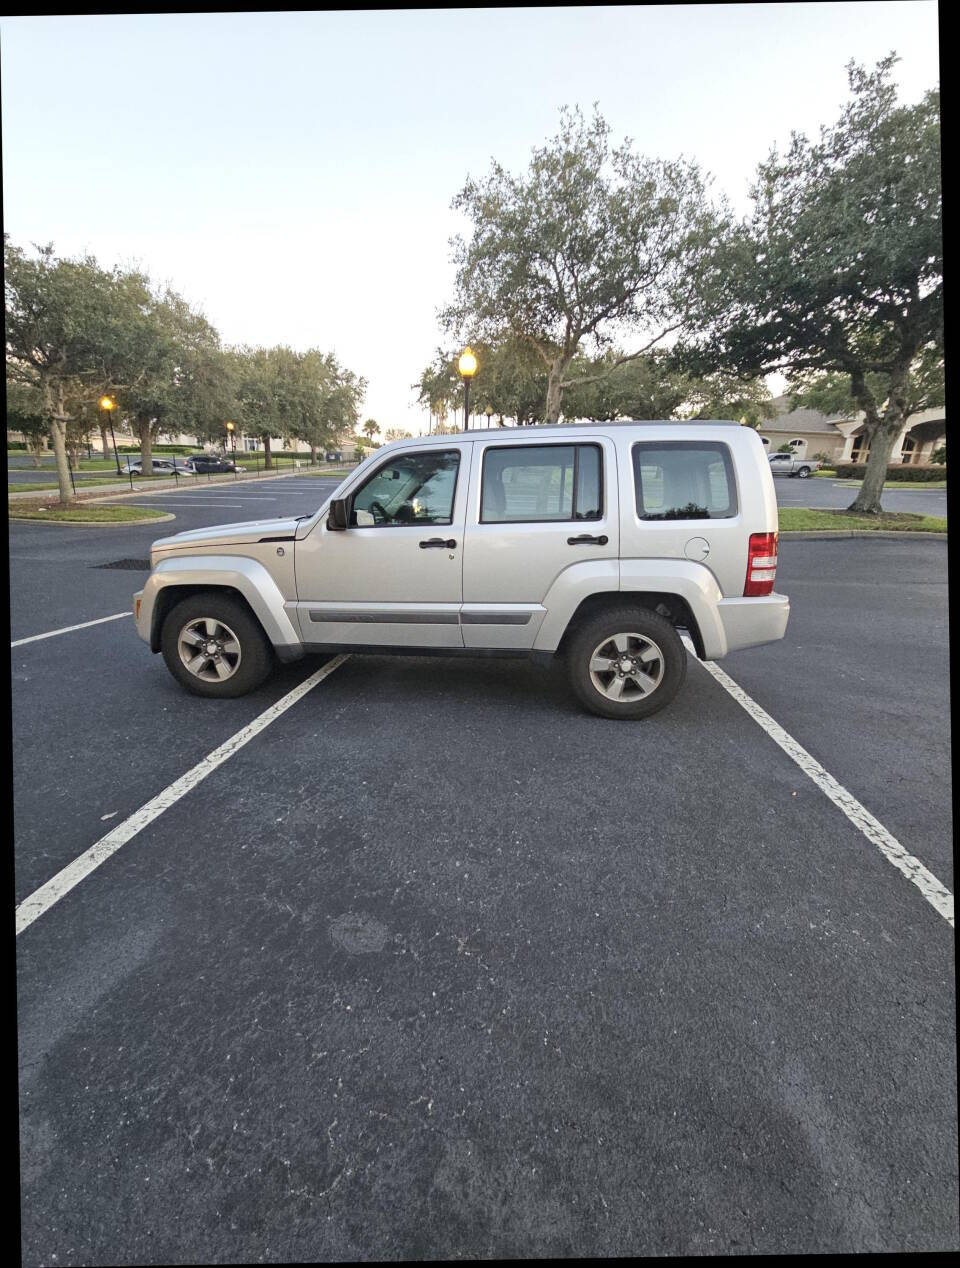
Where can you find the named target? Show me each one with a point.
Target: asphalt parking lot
(439, 966)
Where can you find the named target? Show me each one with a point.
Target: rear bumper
(750, 622)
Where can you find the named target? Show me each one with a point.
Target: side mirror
(339, 515)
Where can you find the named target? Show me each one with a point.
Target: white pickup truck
(789, 464)
(597, 543)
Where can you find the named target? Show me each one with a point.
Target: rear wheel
(626, 663)
(803, 472)
(213, 646)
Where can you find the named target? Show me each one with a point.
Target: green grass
(800, 519)
(97, 514)
(919, 485)
(41, 485)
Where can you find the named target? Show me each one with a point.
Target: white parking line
(164, 502)
(67, 878)
(68, 629)
(936, 893)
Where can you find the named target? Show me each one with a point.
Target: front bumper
(141, 616)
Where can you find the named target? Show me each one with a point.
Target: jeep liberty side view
(597, 543)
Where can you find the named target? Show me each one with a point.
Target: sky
(291, 173)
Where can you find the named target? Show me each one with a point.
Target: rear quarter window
(684, 480)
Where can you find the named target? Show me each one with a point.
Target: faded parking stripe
(67, 878)
(933, 890)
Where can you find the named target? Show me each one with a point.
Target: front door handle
(586, 540)
(439, 543)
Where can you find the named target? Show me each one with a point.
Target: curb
(833, 533)
(154, 519)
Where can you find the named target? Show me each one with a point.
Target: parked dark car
(205, 463)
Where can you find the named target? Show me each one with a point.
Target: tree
(264, 392)
(831, 392)
(371, 428)
(65, 321)
(838, 271)
(172, 372)
(655, 386)
(397, 433)
(510, 378)
(25, 414)
(589, 241)
(327, 400)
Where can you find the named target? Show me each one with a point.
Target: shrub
(896, 471)
(939, 455)
(785, 449)
(823, 457)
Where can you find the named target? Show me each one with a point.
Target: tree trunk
(313, 455)
(58, 431)
(558, 369)
(881, 446)
(104, 439)
(146, 445)
(267, 457)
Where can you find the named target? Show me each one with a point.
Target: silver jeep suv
(599, 543)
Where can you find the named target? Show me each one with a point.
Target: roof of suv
(570, 429)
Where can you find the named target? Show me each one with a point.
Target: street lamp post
(467, 365)
(231, 432)
(108, 406)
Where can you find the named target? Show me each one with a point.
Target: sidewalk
(166, 485)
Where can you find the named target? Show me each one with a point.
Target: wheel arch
(674, 607)
(169, 596)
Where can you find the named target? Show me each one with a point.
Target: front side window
(684, 480)
(415, 488)
(531, 483)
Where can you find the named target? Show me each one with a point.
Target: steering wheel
(378, 506)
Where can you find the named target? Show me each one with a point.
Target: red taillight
(761, 565)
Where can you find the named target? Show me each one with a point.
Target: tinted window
(540, 482)
(684, 480)
(415, 488)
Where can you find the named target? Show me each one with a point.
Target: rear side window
(684, 480)
(530, 483)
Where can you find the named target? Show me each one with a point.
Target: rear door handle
(586, 540)
(439, 543)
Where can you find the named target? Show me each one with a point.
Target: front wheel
(626, 663)
(214, 646)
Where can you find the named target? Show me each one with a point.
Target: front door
(393, 578)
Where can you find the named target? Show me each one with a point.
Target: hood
(227, 534)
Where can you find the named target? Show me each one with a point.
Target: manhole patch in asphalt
(356, 933)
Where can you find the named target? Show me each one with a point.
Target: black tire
(256, 658)
(671, 662)
(803, 472)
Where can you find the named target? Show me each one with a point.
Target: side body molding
(247, 576)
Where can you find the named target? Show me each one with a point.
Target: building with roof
(841, 438)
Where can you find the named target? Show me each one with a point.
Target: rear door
(534, 511)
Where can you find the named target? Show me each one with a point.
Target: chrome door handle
(439, 543)
(585, 539)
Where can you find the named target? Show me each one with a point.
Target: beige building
(840, 436)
